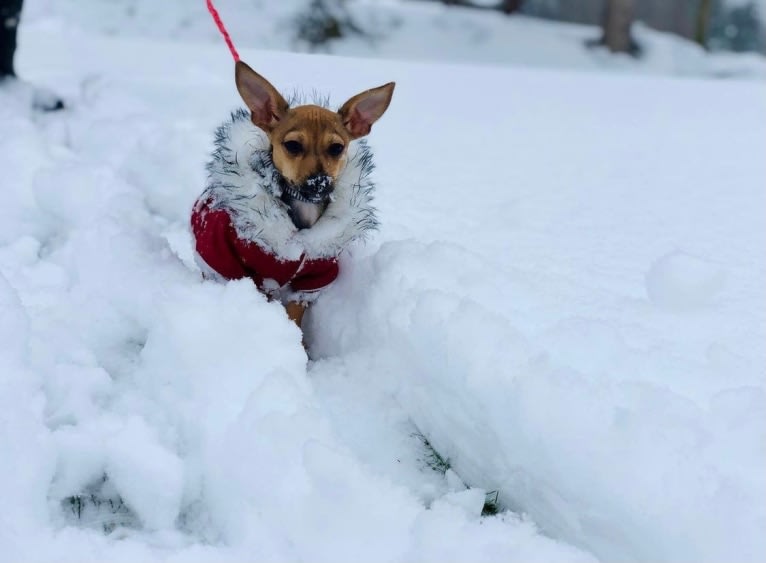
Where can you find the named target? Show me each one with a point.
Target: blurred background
(720, 38)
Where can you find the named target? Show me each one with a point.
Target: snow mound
(679, 281)
(540, 420)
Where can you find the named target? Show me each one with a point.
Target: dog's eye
(335, 149)
(293, 147)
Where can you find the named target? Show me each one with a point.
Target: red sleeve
(212, 236)
(315, 274)
(219, 246)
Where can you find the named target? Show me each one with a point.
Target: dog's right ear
(267, 106)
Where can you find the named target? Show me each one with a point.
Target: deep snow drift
(565, 300)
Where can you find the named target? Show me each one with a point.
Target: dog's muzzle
(316, 189)
(306, 203)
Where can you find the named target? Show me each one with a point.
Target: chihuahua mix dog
(288, 190)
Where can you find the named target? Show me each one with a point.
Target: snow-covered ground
(398, 29)
(565, 300)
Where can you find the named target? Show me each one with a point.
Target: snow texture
(397, 29)
(563, 309)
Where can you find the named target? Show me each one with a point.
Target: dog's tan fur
(316, 130)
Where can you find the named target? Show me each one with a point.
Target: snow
(398, 29)
(565, 301)
(681, 281)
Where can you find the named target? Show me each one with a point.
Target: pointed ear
(267, 106)
(361, 111)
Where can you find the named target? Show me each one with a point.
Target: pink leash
(222, 29)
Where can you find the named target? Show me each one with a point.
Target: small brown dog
(288, 190)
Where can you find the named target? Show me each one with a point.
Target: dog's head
(309, 143)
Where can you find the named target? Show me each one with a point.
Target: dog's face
(309, 143)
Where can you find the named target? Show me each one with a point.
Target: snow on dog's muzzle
(317, 188)
(307, 202)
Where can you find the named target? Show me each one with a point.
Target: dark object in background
(41, 99)
(504, 6)
(510, 6)
(718, 25)
(10, 12)
(702, 23)
(325, 21)
(737, 28)
(616, 24)
(618, 19)
(728, 26)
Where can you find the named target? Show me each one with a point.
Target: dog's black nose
(318, 186)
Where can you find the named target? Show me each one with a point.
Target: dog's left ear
(361, 111)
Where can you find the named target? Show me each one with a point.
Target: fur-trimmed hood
(243, 181)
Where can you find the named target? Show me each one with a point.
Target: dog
(288, 191)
